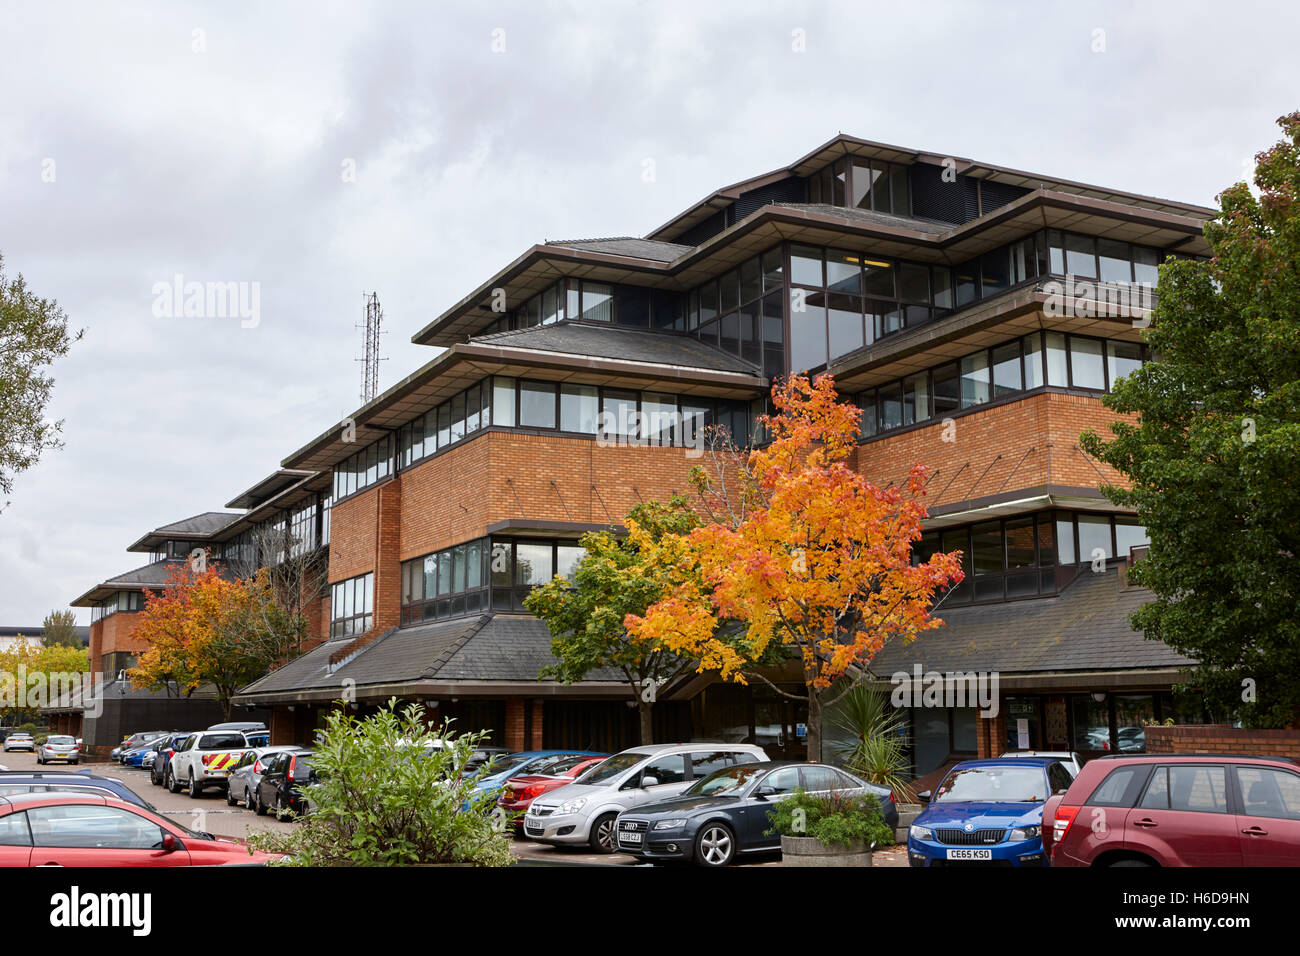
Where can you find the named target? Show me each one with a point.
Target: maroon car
(1177, 810)
(519, 792)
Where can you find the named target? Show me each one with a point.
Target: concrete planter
(807, 851)
(907, 814)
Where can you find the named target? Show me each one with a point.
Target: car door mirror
(924, 795)
(168, 843)
(648, 781)
(763, 793)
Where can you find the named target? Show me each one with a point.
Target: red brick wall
(1219, 738)
(354, 526)
(1009, 430)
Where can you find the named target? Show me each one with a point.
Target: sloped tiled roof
(1085, 628)
(628, 246)
(634, 345)
(209, 522)
(933, 226)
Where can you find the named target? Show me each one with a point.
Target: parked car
(724, 815)
(482, 755)
(206, 759)
(1178, 810)
(1068, 758)
(134, 757)
(1132, 739)
(248, 774)
(530, 761)
(20, 740)
(279, 790)
(518, 793)
(243, 726)
(58, 747)
(67, 781)
(71, 829)
(134, 740)
(987, 811)
(164, 748)
(585, 810)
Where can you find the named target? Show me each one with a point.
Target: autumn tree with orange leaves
(801, 554)
(206, 629)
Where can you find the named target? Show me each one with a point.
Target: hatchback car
(66, 829)
(58, 747)
(725, 814)
(248, 774)
(20, 741)
(1178, 810)
(280, 789)
(987, 812)
(585, 810)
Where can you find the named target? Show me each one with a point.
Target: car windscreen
(723, 782)
(218, 741)
(612, 768)
(496, 765)
(994, 785)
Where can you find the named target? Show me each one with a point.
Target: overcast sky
(143, 141)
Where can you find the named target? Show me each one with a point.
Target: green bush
(834, 818)
(381, 796)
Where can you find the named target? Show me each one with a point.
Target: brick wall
(1219, 738)
(1010, 430)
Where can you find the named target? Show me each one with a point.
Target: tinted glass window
(13, 830)
(670, 769)
(93, 827)
(784, 780)
(1202, 789)
(217, 741)
(821, 778)
(536, 405)
(1119, 789)
(1266, 792)
(703, 764)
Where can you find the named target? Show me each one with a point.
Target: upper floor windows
(743, 312)
(173, 549)
(352, 606)
(583, 301)
(368, 466)
(860, 183)
(118, 601)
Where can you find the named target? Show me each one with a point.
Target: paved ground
(210, 813)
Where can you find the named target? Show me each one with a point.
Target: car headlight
(669, 824)
(920, 833)
(572, 806)
(1024, 833)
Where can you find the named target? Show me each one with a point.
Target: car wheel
(195, 789)
(230, 797)
(248, 799)
(171, 783)
(715, 846)
(603, 838)
(258, 806)
(1142, 863)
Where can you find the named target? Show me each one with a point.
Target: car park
(72, 829)
(723, 816)
(248, 774)
(1070, 760)
(1157, 810)
(280, 788)
(58, 747)
(585, 810)
(987, 812)
(134, 740)
(518, 793)
(67, 781)
(20, 740)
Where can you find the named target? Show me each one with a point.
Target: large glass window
(579, 405)
(352, 606)
(1121, 359)
(537, 404)
(1086, 369)
(974, 379)
(1006, 370)
(807, 331)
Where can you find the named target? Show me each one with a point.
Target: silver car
(20, 741)
(59, 748)
(248, 774)
(585, 810)
(1070, 760)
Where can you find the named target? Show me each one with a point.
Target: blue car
(987, 812)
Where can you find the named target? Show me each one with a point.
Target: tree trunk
(814, 724)
(647, 721)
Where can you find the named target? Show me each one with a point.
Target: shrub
(834, 818)
(388, 790)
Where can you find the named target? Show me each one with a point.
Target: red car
(1177, 810)
(519, 792)
(66, 829)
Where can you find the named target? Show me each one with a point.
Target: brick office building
(924, 283)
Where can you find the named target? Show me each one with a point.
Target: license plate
(970, 854)
(629, 838)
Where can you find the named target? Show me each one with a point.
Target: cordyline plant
(801, 553)
(389, 790)
(1211, 461)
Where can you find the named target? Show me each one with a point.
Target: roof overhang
(464, 364)
(270, 486)
(436, 689)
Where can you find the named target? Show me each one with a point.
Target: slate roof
(207, 523)
(632, 345)
(628, 246)
(504, 647)
(1085, 628)
(932, 226)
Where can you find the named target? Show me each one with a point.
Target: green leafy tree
(389, 790)
(60, 627)
(1211, 459)
(33, 333)
(617, 576)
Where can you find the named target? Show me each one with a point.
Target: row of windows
(172, 549)
(584, 301)
(119, 601)
(364, 468)
(860, 183)
(307, 525)
(457, 418)
(1028, 555)
(352, 606)
(1054, 358)
(473, 577)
